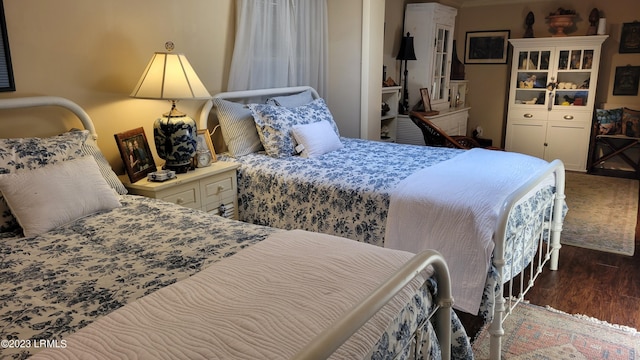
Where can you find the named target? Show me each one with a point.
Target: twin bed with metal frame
(112, 275)
(512, 202)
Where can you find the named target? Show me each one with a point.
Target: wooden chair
(434, 136)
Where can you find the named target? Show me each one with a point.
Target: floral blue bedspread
(59, 282)
(347, 193)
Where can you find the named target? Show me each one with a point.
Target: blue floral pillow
(609, 121)
(631, 123)
(33, 153)
(274, 124)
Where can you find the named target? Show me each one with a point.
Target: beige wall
(345, 56)
(488, 83)
(93, 52)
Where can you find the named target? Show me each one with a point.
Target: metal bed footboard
(334, 336)
(544, 247)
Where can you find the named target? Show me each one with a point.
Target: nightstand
(207, 189)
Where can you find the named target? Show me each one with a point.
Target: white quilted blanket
(453, 207)
(265, 302)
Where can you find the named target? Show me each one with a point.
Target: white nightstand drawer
(220, 186)
(187, 195)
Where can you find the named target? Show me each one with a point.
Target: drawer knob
(220, 188)
(528, 116)
(180, 201)
(568, 117)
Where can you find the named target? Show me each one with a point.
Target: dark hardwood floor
(593, 283)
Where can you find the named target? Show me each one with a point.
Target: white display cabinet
(551, 97)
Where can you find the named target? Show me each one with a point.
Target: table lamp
(405, 53)
(169, 76)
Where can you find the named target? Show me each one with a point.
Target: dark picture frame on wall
(135, 153)
(486, 47)
(7, 82)
(630, 38)
(626, 80)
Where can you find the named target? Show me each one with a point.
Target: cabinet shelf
(388, 121)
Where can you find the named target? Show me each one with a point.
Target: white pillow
(238, 128)
(291, 101)
(317, 138)
(53, 195)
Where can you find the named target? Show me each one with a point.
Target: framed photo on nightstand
(203, 142)
(135, 153)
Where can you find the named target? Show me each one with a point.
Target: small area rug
(534, 332)
(602, 213)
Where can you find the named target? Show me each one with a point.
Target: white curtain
(280, 43)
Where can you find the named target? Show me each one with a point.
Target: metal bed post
(496, 329)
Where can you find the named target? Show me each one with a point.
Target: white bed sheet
(457, 212)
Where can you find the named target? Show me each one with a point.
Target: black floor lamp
(406, 53)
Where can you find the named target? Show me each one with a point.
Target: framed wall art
(6, 70)
(630, 38)
(486, 47)
(135, 153)
(626, 80)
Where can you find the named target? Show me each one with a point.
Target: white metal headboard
(245, 96)
(35, 101)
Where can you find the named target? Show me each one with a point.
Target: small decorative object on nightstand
(206, 188)
(203, 158)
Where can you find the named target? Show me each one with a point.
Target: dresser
(552, 97)
(212, 189)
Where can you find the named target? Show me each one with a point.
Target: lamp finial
(169, 46)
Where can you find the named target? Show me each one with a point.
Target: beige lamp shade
(169, 76)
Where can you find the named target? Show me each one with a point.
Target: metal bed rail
(334, 336)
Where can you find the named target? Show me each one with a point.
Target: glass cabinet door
(574, 68)
(441, 62)
(532, 77)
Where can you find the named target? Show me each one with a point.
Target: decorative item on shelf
(389, 82)
(560, 20)
(602, 26)
(594, 16)
(406, 53)
(169, 76)
(385, 108)
(384, 132)
(529, 21)
(529, 83)
(457, 67)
